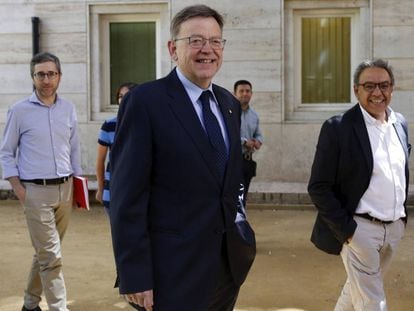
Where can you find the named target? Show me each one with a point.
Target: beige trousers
(47, 210)
(366, 259)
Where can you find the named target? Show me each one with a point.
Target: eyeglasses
(199, 42)
(51, 75)
(371, 86)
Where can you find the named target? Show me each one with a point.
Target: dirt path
(288, 274)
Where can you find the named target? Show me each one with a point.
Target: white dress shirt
(385, 196)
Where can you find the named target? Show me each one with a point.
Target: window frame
(294, 109)
(100, 16)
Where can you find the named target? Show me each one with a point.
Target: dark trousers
(225, 293)
(249, 171)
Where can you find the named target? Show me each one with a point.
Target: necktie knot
(205, 98)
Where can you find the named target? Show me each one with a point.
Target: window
(322, 48)
(127, 44)
(326, 60)
(132, 53)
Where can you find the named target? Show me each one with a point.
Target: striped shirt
(106, 138)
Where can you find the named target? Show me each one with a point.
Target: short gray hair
(376, 63)
(192, 11)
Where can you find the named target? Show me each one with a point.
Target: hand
(249, 144)
(99, 195)
(257, 144)
(20, 193)
(143, 299)
(18, 188)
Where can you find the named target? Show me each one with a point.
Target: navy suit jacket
(341, 172)
(168, 208)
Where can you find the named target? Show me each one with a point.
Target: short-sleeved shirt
(106, 138)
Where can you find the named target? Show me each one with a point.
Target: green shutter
(132, 53)
(326, 52)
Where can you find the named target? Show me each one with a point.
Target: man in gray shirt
(39, 154)
(251, 136)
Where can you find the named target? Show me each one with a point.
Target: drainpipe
(35, 35)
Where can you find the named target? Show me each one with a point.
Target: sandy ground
(288, 274)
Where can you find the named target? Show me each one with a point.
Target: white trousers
(366, 259)
(47, 210)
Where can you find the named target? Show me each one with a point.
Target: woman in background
(105, 141)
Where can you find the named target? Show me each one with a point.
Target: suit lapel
(402, 136)
(233, 131)
(401, 130)
(362, 134)
(183, 109)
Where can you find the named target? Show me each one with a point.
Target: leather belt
(373, 219)
(45, 182)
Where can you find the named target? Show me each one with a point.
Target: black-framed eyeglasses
(371, 86)
(198, 42)
(51, 75)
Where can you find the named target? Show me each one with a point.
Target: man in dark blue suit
(176, 172)
(359, 185)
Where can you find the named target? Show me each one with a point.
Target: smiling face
(377, 101)
(199, 65)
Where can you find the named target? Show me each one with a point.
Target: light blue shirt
(40, 141)
(249, 127)
(194, 92)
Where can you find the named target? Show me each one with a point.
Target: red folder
(80, 192)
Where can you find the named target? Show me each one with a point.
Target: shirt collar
(35, 100)
(372, 121)
(193, 90)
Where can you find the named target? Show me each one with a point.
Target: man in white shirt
(359, 184)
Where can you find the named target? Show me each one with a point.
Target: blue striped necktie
(214, 134)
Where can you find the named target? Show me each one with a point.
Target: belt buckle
(247, 156)
(44, 182)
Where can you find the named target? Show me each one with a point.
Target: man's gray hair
(376, 63)
(192, 11)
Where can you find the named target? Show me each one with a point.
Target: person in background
(251, 136)
(105, 141)
(39, 153)
(176, 171)
(359, 183)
